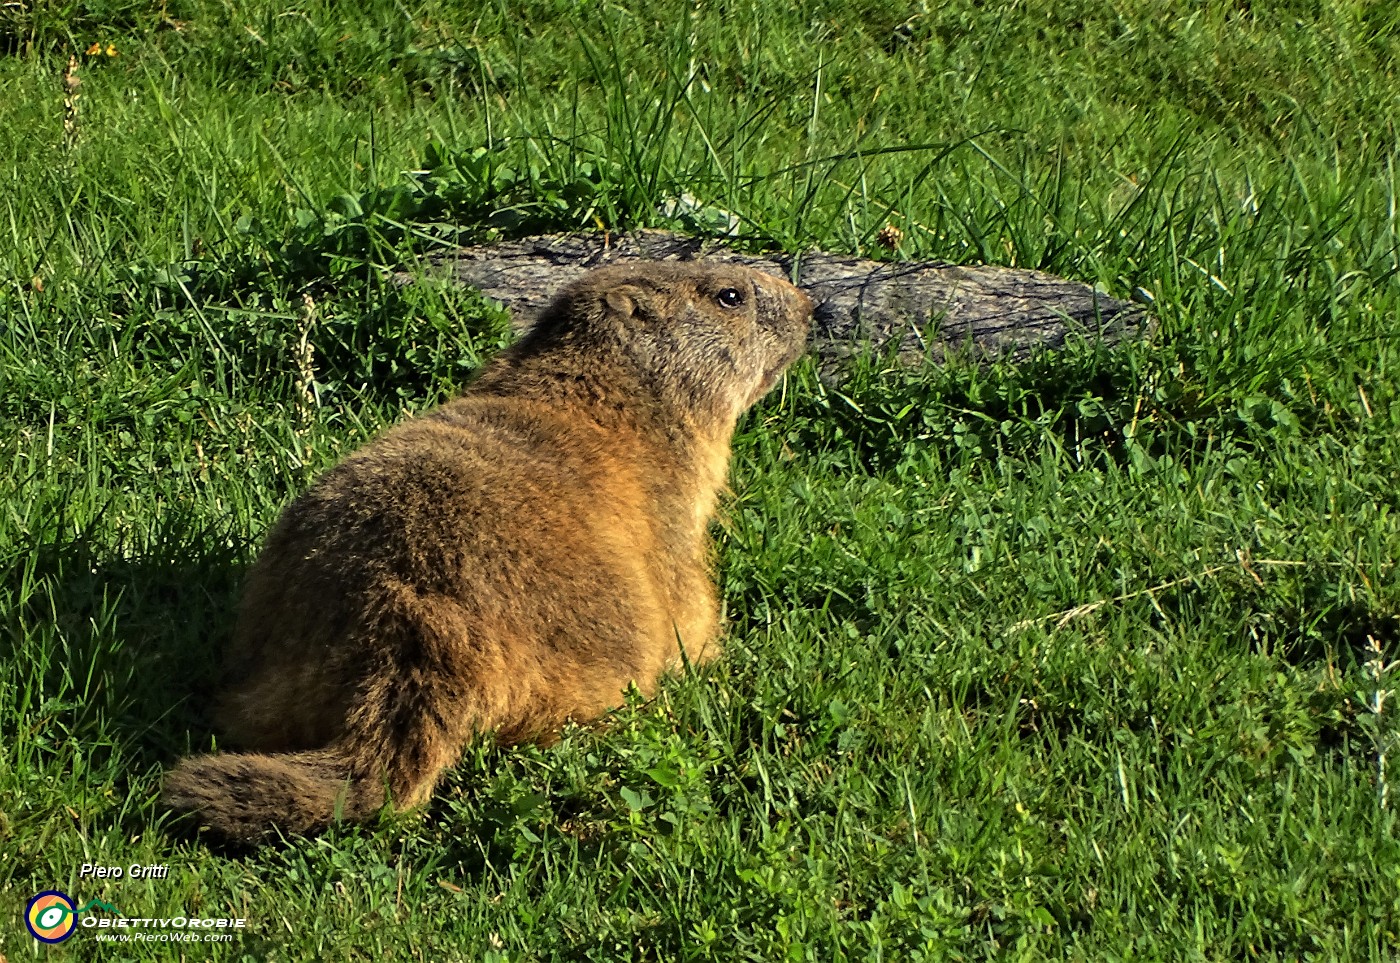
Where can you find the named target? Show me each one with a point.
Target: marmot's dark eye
(730, 297)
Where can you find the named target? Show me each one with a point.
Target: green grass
(1074, 659)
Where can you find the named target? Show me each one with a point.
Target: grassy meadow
(1083, 658)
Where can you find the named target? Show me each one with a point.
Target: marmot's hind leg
(415, 710)
(407, 723)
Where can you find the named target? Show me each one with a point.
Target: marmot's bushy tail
(242, 796)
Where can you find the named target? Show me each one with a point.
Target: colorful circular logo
(51, 917)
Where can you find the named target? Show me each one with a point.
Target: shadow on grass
(118, 651)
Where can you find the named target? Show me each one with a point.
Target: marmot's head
(713, 337)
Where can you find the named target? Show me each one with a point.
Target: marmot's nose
(790, 300)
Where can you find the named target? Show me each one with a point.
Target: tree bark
(919, 309)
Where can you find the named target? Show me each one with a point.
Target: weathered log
(926, 308)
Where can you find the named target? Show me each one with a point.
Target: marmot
(503, 564)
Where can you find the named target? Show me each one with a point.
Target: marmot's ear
(623, 299)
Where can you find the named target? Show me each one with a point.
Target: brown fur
(506, 563)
